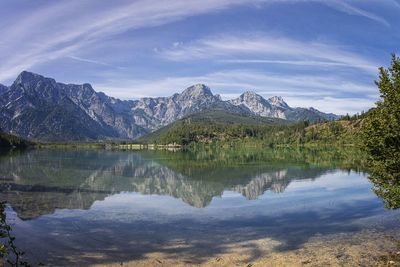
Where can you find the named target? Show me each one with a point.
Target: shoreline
(366, 248)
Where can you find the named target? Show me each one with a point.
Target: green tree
(381, 135)
(10, 254)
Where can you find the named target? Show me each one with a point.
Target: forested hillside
(230, 129)
(8, 140)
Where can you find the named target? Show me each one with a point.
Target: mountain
(39, 108)
(161, 111)
(258, 105)
(276, 107)
(3, 89)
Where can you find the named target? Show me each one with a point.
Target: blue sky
(320, 53)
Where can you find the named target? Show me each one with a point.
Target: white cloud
(335, 105)
(353, 10)
(262, 48)
(63, 28)
(314, 63)
(92, 61)
(347, 7)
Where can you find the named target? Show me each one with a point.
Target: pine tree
(381, 135)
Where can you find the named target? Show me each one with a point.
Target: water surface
(84, 207)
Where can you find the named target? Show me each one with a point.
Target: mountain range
(40, 108)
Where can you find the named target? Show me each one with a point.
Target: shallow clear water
(82, 207)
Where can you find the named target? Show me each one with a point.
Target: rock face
(40, 108)
(161, 111)
(3, 89)
(36, 107)
(260, 106)
(276, 107)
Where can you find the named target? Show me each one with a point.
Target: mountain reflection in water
(38, 182)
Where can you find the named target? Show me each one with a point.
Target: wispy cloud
(287, 62)
(262, 48)
(353, 10)
(45, 34)
(396, 3)
(348, 7)
(337, 105)
(93, 61)
(63, 28)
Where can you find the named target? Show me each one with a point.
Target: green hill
(221, 127)
(210, 125)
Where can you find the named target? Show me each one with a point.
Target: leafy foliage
(8, 250)
(381, 136)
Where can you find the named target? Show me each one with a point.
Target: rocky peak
(278, 102)
(260, 106)
(196, 91)
(27, 77)
(250, 95)
(251, 100)
(218, 96)
(36, 86)
(87, 86)
(84, 91)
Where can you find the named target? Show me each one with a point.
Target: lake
(206, 206)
